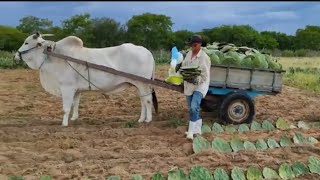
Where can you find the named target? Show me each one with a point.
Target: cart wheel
(237, 108)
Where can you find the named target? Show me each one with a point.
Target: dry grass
(303, 80)
(304, 62)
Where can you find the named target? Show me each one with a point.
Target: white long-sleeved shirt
(203, 61)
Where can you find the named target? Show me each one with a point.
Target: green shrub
(301, 53)
(287, 53)
(7, 61)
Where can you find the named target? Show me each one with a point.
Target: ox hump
(73, 41)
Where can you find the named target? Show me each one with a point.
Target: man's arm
(178, 66)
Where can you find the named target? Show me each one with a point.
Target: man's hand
(178, 66)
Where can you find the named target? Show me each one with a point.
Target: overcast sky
(280, 16)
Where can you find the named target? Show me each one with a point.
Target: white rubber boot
(191, 129)
(198, 127)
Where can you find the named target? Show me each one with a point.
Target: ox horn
(44, 35)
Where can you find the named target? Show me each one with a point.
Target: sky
(279, 16)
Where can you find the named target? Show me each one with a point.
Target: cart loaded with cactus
(237, 76)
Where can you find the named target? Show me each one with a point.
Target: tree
(149, 30)
(180, 38)
(31, 24)
(240, 35)
(284, 41)
(265, 41)
(308, 38)
(244, 35)
(106, 32)
(218, 34)
(11, 38)
(57, 32)
(80, 26)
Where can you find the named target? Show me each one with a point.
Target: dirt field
(102, 143)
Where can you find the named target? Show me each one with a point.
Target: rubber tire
(223, 112)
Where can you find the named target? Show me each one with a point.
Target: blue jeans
(194, 105)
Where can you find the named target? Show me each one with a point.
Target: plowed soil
(107, 140)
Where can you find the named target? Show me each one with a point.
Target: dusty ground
(102, 143)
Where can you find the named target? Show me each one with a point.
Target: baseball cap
(195, 39)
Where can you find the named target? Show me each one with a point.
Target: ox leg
(143, 112)
(76, 102)
(146, 102)
(67, 99)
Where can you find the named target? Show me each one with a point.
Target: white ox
(58, 77)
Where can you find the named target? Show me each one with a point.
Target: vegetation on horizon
(154, 31)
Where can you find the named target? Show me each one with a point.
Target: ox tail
(154, 96)
(154, 69)
(155, 101)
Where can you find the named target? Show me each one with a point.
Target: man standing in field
(196, 88)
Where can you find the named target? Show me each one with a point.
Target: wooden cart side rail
(225, 80)
(250, 69)
(155, 82)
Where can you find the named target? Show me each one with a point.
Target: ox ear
(37, 34)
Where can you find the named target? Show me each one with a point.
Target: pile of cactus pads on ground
(236, 144)
(230, 55)
(284, 171)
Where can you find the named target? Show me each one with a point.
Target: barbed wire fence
(162, 56)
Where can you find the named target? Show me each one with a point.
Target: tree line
(154, 31)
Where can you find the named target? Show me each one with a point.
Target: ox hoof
(148, 120)
(141, 120)
(64, 124)
(74, 118)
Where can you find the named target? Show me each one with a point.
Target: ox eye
(26, 43)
